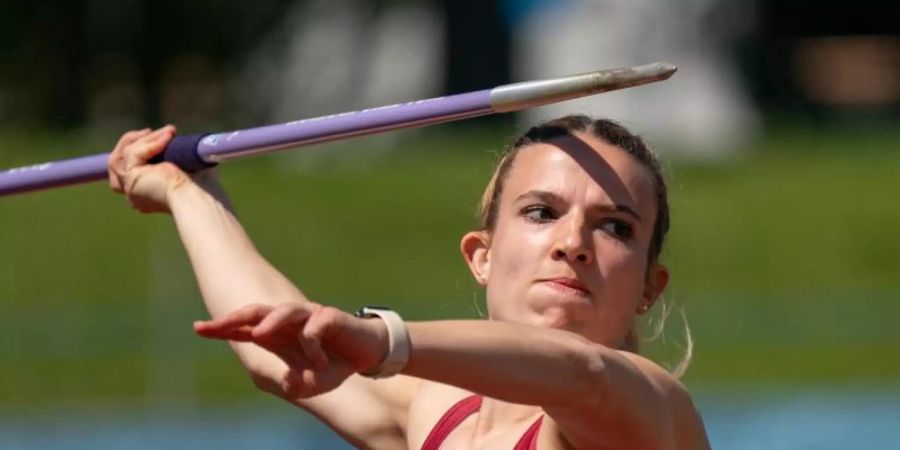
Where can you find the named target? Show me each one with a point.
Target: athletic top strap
(465, 408)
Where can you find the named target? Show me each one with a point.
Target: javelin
(195, 152)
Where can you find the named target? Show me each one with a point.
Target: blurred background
(779, 132)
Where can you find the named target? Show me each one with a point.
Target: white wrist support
(398, 342)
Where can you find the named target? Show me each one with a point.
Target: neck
(631, 343)
(499, 416)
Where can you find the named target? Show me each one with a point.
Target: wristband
(398, 342)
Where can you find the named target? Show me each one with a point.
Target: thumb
(319, 326)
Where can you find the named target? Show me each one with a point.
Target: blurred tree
(55, 52)
(478, 45)
(43, 49)
(47, 47)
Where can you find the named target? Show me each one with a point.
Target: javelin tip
(664, 70)
(518, 96)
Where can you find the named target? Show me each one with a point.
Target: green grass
(783, 258)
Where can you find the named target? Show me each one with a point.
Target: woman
(573, 224)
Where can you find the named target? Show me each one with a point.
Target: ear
(475, 247)
(657, 280)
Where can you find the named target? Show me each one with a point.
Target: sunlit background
(779, 132)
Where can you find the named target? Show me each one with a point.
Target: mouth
(567, 285)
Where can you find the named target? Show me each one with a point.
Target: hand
(149, 186)
(322, 346)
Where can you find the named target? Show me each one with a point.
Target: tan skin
(566, 274)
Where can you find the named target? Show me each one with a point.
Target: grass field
(784, 259)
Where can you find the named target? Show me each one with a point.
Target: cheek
(515, 249)
(508, 264)
(624, 272)
(514, 261)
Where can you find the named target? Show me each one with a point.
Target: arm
(231, 273)
(594, 396)
(578, 383)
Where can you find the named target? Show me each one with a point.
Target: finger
(312, 347)
(130, 179)
(291, 354)
(145, 148)
(126, 140)
(114, 183)
(130, 137)
(115, 159)
(300, 382)
(248, 315)
(241, 334)
(317, 327)
(282, 318)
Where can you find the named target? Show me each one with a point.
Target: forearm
(507, 361)
(229, 270)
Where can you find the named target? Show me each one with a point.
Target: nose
(573, 242)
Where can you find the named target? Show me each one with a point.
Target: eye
(539, 213)
(618, 228)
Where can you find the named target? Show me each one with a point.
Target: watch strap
(398, 342)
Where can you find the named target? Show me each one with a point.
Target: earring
(643, 308)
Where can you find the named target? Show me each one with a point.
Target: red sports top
(465, 408)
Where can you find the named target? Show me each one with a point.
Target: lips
(567, 284)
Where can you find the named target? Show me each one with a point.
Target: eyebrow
(550, 197)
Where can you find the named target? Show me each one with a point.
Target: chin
(560, 318)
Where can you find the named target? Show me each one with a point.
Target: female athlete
(573, 223)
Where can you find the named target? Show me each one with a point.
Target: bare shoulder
(660, 377)
(690, 434)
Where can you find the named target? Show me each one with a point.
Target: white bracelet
(398, 342)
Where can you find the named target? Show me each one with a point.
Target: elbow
(587, 377)
(266, 371)
(264, 381)
(595, 374)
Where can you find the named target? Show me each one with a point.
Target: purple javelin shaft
(199, 151)
(216, 148)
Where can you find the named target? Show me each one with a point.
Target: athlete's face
(569, 248)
